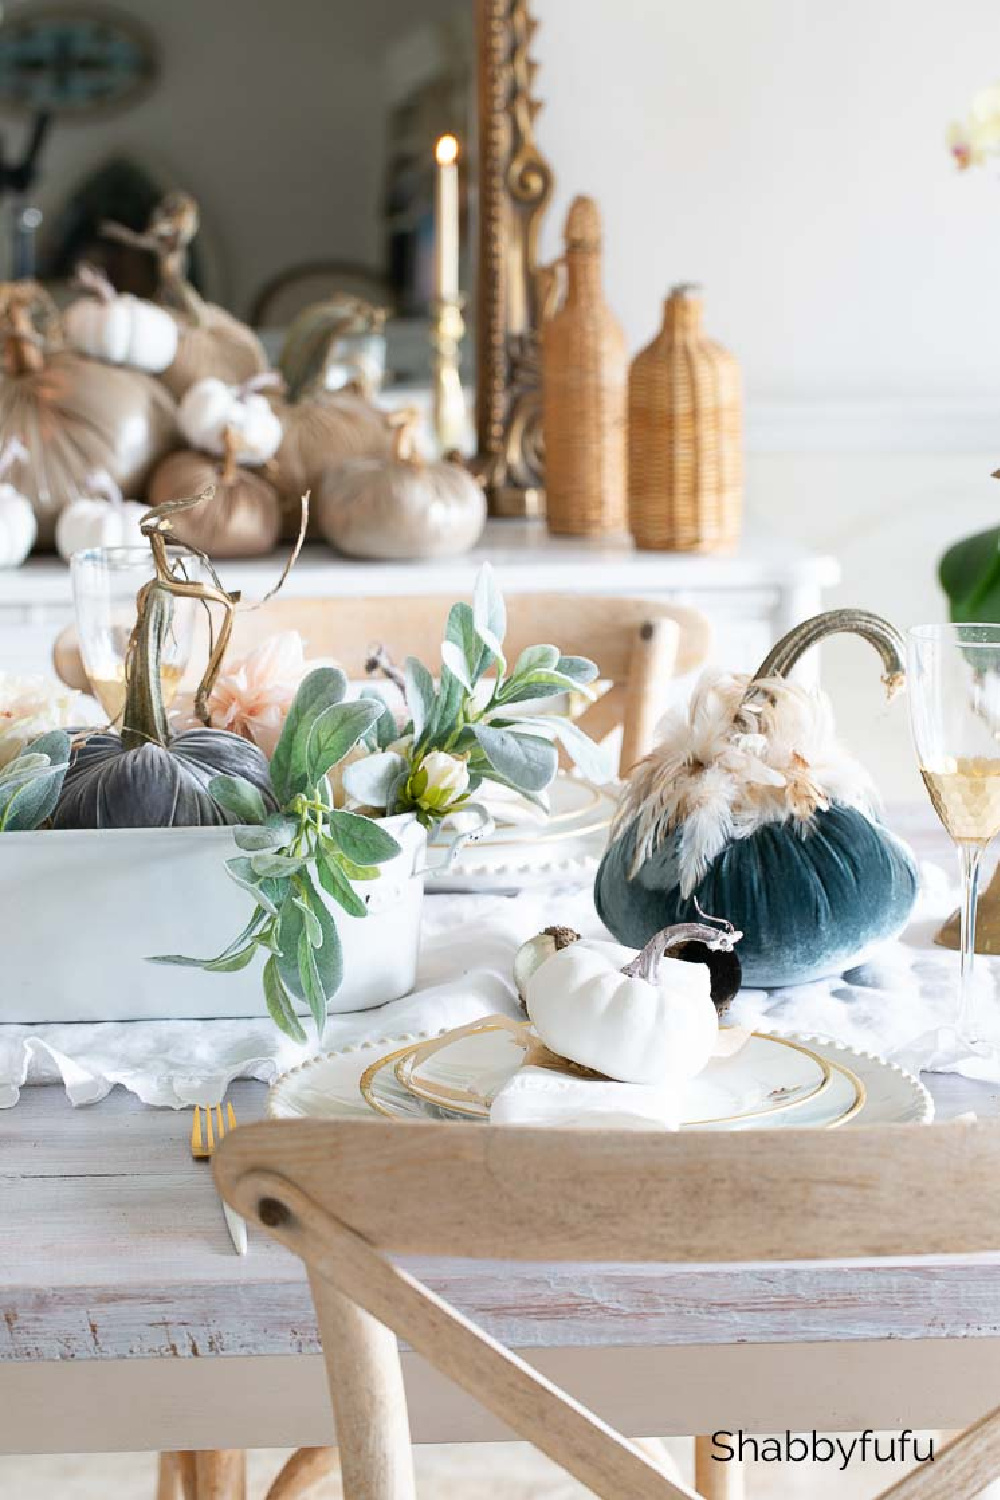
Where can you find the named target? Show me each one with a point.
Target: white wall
(790, 155)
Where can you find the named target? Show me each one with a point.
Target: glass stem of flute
(971, 856)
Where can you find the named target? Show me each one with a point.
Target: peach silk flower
(253, 698)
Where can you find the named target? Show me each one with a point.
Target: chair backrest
(639, 644)
(344, 1195)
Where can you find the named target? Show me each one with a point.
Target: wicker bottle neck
(583, 277)
(682, 317)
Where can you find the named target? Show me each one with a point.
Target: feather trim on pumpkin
(723, 769)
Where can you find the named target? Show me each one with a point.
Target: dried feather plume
(726, 766)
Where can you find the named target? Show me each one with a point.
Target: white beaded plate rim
(920, 1101)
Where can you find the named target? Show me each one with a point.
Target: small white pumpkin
(99, 518)
(18, 527)
(651, 1022)
(120, 329)
(211, 409)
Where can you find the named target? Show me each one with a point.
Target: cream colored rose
(29, 707)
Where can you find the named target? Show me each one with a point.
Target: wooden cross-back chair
(638, 644)
(347, 1195)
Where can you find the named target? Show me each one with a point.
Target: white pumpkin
(18, 527)
(211, 408)
(99, 518)
(120, 329)
(657, 1030)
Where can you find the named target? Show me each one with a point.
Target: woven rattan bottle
(584, 375)
(685, 436)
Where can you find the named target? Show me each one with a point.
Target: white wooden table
(752, 598)
(126, 1322)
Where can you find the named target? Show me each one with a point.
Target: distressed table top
(113, 1246)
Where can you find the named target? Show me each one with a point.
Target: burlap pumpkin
(73, 415)
(212, 341)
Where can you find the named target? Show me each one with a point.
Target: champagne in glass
(106, 581)
(954, 690)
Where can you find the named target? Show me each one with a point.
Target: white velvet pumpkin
(99, 518)
(120, 330)
(400, 507)
(657, 1031)
(18, 527)
(211, 408)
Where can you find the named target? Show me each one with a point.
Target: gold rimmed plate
(462, 1071)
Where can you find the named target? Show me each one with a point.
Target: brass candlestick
(449, 413)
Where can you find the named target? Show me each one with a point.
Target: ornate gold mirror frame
(515, 185)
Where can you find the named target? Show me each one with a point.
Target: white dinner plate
(529, 847)
(329, 1087)
(463, 1070)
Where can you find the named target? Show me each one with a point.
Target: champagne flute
(954, 691)
(106, 581)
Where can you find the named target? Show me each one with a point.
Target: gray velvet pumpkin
(142, 777)
(813, 879)
(401, 507)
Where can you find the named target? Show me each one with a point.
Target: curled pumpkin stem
(885, 639)
(720, 938)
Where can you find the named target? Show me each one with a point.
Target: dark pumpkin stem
(144, 720)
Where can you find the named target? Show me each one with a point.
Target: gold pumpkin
(211, 341)
(401, 507)
(73, 415)
(243, 518)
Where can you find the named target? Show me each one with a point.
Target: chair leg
(369, 1403)
(220, 1474)
(304, 1469)
(714, 1479)
(176, 1477)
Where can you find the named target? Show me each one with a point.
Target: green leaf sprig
(306, 847)
(30, 784)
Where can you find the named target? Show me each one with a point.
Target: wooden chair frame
(529, 1194)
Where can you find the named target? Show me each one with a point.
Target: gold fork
(203, 1139)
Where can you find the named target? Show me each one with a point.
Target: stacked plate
(531, 846)
(771, 1083)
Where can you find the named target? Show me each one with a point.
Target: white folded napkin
(538, 1096)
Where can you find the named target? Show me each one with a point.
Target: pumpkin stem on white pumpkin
(102, 485)
(92, 279)
(405, 424)
(144, 720)
(28, 321)
(718, 939)
(230, 449)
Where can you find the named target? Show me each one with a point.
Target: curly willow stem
(885, 638)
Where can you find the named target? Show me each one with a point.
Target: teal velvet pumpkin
(808, 904)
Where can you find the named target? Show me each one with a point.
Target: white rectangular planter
(82, 911)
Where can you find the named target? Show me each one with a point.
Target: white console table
(751, 597)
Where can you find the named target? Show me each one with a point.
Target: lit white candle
(446, 220)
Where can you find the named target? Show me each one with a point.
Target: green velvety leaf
(313, 929)
(55, 743)
(453, 658)
(489, 613)
(370, 781)
(235, 961)
(596, 762)
(579, 668)
(25, 768)
(318, 691)
(25, 806)
(291, 926)
(527, 761)
(419, 694)
(384, 730)
(336, 731)
(239, 797)
(969, 573)
(280, 1007)
(242, 872)
(335, 882)
(276, 864)
(535, 659)
(254, 840)
(447, 708)
(361, 839)
(464, 645)
(310, 981)
(249, 932)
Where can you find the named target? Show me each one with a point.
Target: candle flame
(446, 151)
